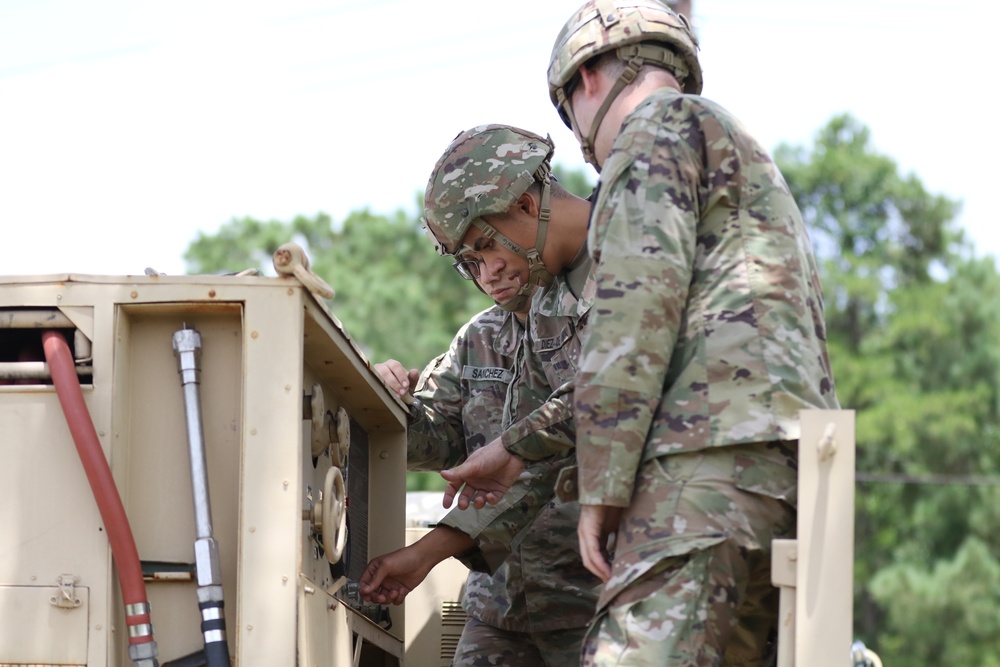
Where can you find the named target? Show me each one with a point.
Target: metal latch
(67, 592)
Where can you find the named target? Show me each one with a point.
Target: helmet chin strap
(538, 275)
(521, 302)
(635, 56)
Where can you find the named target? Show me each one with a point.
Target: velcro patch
(487, 374)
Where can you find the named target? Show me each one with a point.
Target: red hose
(123, 550)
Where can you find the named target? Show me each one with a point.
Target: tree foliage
(396, 297)
(913, 324)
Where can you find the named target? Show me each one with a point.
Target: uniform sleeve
(496, 528)
(435, 437)
(642, 238)
(547, 431)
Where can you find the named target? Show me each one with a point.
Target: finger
(593, 558)
(396, 375)
(450, 492)
(413, 377)
(371, 579)
(590, 535)
(493, 497)
(465, 497)
(398, 596)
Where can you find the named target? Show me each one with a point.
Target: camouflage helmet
(482, 172)
(638, 32)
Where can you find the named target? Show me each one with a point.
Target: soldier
(704, 342)
(528, 596)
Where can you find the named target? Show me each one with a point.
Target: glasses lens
(468, 269)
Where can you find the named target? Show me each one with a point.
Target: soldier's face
(501, 271)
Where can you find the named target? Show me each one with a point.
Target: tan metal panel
(270, 544)
(36, 631)
(825, 552)
(324, 635)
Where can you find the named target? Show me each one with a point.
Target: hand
(597, 524)
(486, 475)
(391, 577)
(396, 377)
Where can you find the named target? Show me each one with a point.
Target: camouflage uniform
(557, 319)
(536, 604)
(706, 339)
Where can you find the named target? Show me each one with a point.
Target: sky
(128, 127)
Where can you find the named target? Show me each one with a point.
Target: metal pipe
(142, 647)
(33, 370)
(34, 319)
(187, 349)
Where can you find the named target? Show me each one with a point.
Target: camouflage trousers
(483, 645)
(691, 576)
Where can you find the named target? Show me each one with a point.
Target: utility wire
(926, 480)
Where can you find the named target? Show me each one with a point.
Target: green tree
(395, 296)
(912, 322)
(577, 181)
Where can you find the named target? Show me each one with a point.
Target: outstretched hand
(388, 579)
(391, 577)
(483, 478)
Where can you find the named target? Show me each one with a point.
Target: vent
(357, 502)
(453, 619)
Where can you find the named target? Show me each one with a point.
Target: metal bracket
(67, 592)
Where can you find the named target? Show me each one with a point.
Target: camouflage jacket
(558, 317)
(708, 326)
(528, 541)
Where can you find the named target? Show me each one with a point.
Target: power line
(927, 480)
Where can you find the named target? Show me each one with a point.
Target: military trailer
(302, 476)
(197, 470)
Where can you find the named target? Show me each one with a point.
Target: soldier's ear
(589, 80)
(527, 205)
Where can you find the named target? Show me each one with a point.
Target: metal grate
(453, 619)
(357, 495)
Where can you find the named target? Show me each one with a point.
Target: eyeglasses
(568, 90)
(467, 268)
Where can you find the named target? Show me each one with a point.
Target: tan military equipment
(304, 458)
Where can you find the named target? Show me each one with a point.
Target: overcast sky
(128, 126)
